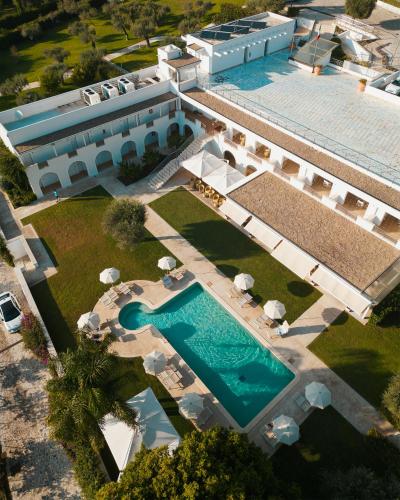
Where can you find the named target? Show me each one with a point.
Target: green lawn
(233, 252)
(72, 232)
(328, 442)
(142, 58)
(365, 356)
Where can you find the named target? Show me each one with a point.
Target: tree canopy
(391, 400)
(218, 463)
(265, 5)
(359, 9)
(124, 221)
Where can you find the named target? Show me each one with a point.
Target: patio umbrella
(89, 320)
(318, 395)
(110, 275)
(274, 309)
(285, 429)
(154, 363)
(167, 263)
(243, 281)
(191, 405)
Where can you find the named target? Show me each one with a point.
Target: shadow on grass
(392, 320)
(49, 252)
(300, 288)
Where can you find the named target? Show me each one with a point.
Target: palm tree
(82, 395)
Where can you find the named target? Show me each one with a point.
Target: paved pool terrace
(327, 110)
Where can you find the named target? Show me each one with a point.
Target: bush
(26, 98)
(130, 172)
(391, 400)
(5, 254)
(388, 306)
(33, 336)
(124, 221)
(360, 9)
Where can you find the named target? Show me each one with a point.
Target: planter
(361, 85)
(317, 70)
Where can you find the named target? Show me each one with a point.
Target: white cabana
(167, 263)
(89, 320)
(202, 163)
(318, 395)
(223, 178)
(154, 363)
(234, 211)
(191, 405)
(294, 259)
(343, 291)
(285, 429)
(274, 309)
(243, 281)
(263, 233)
(154, 429)
(110, 275)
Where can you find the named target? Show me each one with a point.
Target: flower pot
(361, 85)
(317, 70)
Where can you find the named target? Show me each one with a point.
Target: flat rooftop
(324, 161)
(327, 110)
(28, 145)
(347, 249)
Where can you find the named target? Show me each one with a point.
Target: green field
(72, 232)
(232, 252)
(365, 356)
(142, 58)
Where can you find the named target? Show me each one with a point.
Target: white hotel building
(320, 161)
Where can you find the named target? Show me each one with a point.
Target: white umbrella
(154, 363)
(89, 320)
(285, 429)
(191, 405)
(244, 281)
(202, 163)
(223, 178)
(110, 275)
(318, 395)
(274, 309)
(167, 263)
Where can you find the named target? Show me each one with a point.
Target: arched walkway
(231, 159)
(187, 131)
(49, 182)
(128, 151)
(172, 129)
(151, 142)
(104, 160)
(250, 170)
(77, 171)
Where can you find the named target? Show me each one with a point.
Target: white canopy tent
(234, 211)
(223, 178)
(154, 429)
(202, 163)
(263, 233)
(294, 259)
(341, 290)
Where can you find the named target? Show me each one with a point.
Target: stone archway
(187, 131)
(151, 142)
(49, 182)
(77, 171)
(104, 160)
(128, 151)
(230, 158)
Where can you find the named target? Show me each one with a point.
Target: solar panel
(228, 28)
(207, 34)
(257, 25)
(221, 35)
(242, 31)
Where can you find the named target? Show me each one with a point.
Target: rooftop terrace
(350, 251)
(326, 110)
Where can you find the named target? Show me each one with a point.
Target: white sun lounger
(302, 402)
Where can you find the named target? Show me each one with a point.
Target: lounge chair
(204, 416)
(179, 274)
(302, 402)
(167, 281)
(235, 293)
(245, 299)
(269, 436)
(123, 288)
(263, 321)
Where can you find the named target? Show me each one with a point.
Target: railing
(388, 172)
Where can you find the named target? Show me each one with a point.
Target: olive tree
(391, 400)
(360, 9)
(124, 220)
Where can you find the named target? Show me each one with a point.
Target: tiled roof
(185, 60)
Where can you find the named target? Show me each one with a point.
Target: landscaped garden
(328, 443)
(233, 252)
(365, 356)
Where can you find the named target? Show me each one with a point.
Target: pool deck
(292, 348)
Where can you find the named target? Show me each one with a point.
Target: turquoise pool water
(29, 120)
(238, 370)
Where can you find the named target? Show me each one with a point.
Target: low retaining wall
(389, 7)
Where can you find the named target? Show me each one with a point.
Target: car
(393, 87)
(10, 312)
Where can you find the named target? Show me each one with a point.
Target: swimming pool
(29, 120)
(236, 368)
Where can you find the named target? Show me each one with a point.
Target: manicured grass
(141, 58)
(233, 252)
(327, 442)
(365, 356)
(72, 232)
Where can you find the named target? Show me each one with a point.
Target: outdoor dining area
(110, 276)
(274, 310)
(213, 176)
(284, 429)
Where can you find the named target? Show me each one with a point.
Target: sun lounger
(167, 281)
(179, 275)
(123, 288)
(302, 402)
(172, 379)
(269, 436)
(234, 293)
(263, 321)
(245, 299)
(204, 416)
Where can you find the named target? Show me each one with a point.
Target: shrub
(388, 306)
(391, 400)
(360, 9)
(13, 85)
(130, 171)
(27, 97)
(5, 254)
(124, 221)
(33, 336)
